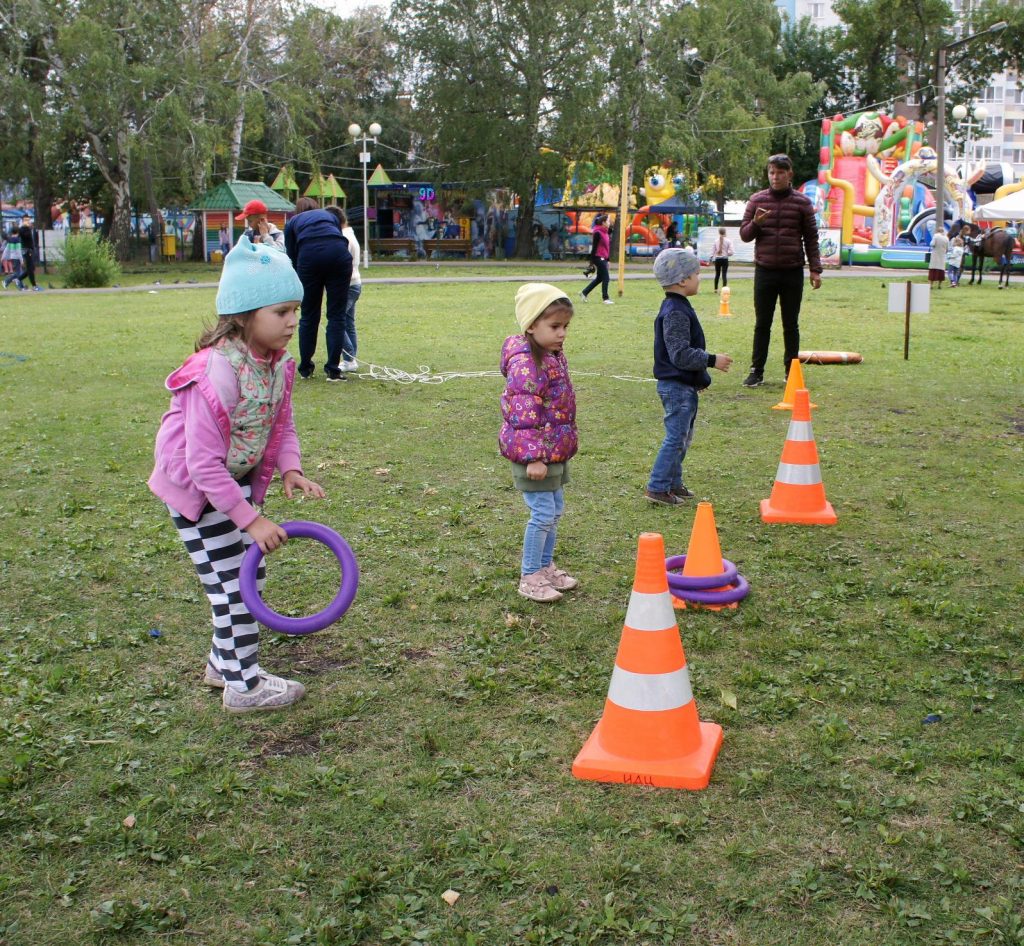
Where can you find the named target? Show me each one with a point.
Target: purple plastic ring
(739, 590)
(693, 583)
(315, 622)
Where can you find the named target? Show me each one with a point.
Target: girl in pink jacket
(538, 431)
(229, 428)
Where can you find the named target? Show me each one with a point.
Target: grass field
(444, 712)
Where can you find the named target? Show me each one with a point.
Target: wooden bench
(443, 247)
(392, 246)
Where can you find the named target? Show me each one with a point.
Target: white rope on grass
(423, 374)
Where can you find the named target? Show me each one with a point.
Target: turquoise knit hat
(256, 275)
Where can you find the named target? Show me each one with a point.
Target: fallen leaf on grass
(129, 822)
(728, 698)
(382, 471)
(450, 896)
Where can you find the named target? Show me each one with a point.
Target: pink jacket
(192, 443)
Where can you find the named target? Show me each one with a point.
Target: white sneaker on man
(349, 365)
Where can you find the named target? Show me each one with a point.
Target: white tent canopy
(1010, 207)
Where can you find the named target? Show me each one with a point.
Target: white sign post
(908, 297)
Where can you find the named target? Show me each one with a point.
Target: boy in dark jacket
(681, 368)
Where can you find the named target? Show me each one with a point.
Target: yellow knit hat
(533, 298)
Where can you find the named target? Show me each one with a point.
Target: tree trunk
(236, 136)
(121, 222)
(524, 224)
(198, 240)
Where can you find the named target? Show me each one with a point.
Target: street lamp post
(358, 134)
(940, 120)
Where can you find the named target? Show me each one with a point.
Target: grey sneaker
(753, 380)
(536, 587)
(271, 693)
(662, 499)
(213, 678)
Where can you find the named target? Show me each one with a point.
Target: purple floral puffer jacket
(538, 407)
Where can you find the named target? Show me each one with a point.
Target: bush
(88, 262)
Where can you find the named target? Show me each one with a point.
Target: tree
(26, 125)
(805, 48)
(111, 70)
(497, 81)
(730, 104)
(890, 47)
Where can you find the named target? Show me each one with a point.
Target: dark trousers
(323, 266)
(29, 267)
(601, 278)
(785, 286)
(722, 269)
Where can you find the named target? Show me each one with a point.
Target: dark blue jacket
(310, 226)
(679, 353)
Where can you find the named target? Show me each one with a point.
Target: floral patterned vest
(260, 391)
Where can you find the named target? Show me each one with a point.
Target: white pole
(365, 157)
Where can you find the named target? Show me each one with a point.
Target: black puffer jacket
(785, 234)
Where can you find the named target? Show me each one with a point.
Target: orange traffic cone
(793, 384)
(649, 733)
(703, 555)
(798, 494)
(723, 305)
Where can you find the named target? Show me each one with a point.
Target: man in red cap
(257, 228)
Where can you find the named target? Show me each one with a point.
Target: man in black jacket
(781, 222)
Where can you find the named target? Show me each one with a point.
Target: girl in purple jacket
(228, 430)
(538, 433)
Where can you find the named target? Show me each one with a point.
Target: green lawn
(444, 711)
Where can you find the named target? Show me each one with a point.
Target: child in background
(12, 260)
(954, 260)
(227, 431)
(538, 433)
(680, 367)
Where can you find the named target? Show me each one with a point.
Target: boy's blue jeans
(541, 531)
(350, 341)
(680, 402)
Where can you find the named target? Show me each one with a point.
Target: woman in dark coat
(319, 252)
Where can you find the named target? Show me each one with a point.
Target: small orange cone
(798, 495)
(650, 733)
(793, 384)
(703, 556)
(723, 305)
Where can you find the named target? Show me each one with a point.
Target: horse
(996, 244)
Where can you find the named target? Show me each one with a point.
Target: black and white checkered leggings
(216, 546)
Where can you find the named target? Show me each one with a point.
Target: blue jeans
(541, 531)
(349, 322)
(680, 401)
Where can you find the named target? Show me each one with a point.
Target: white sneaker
(607, 302)
(271, 693)
(583, 298)
(349, 365)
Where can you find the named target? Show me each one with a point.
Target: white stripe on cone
(799, 474)
(650, 692)
(800, 430)
(647, 612)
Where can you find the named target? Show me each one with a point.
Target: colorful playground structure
(648, 226)
(871, 186)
